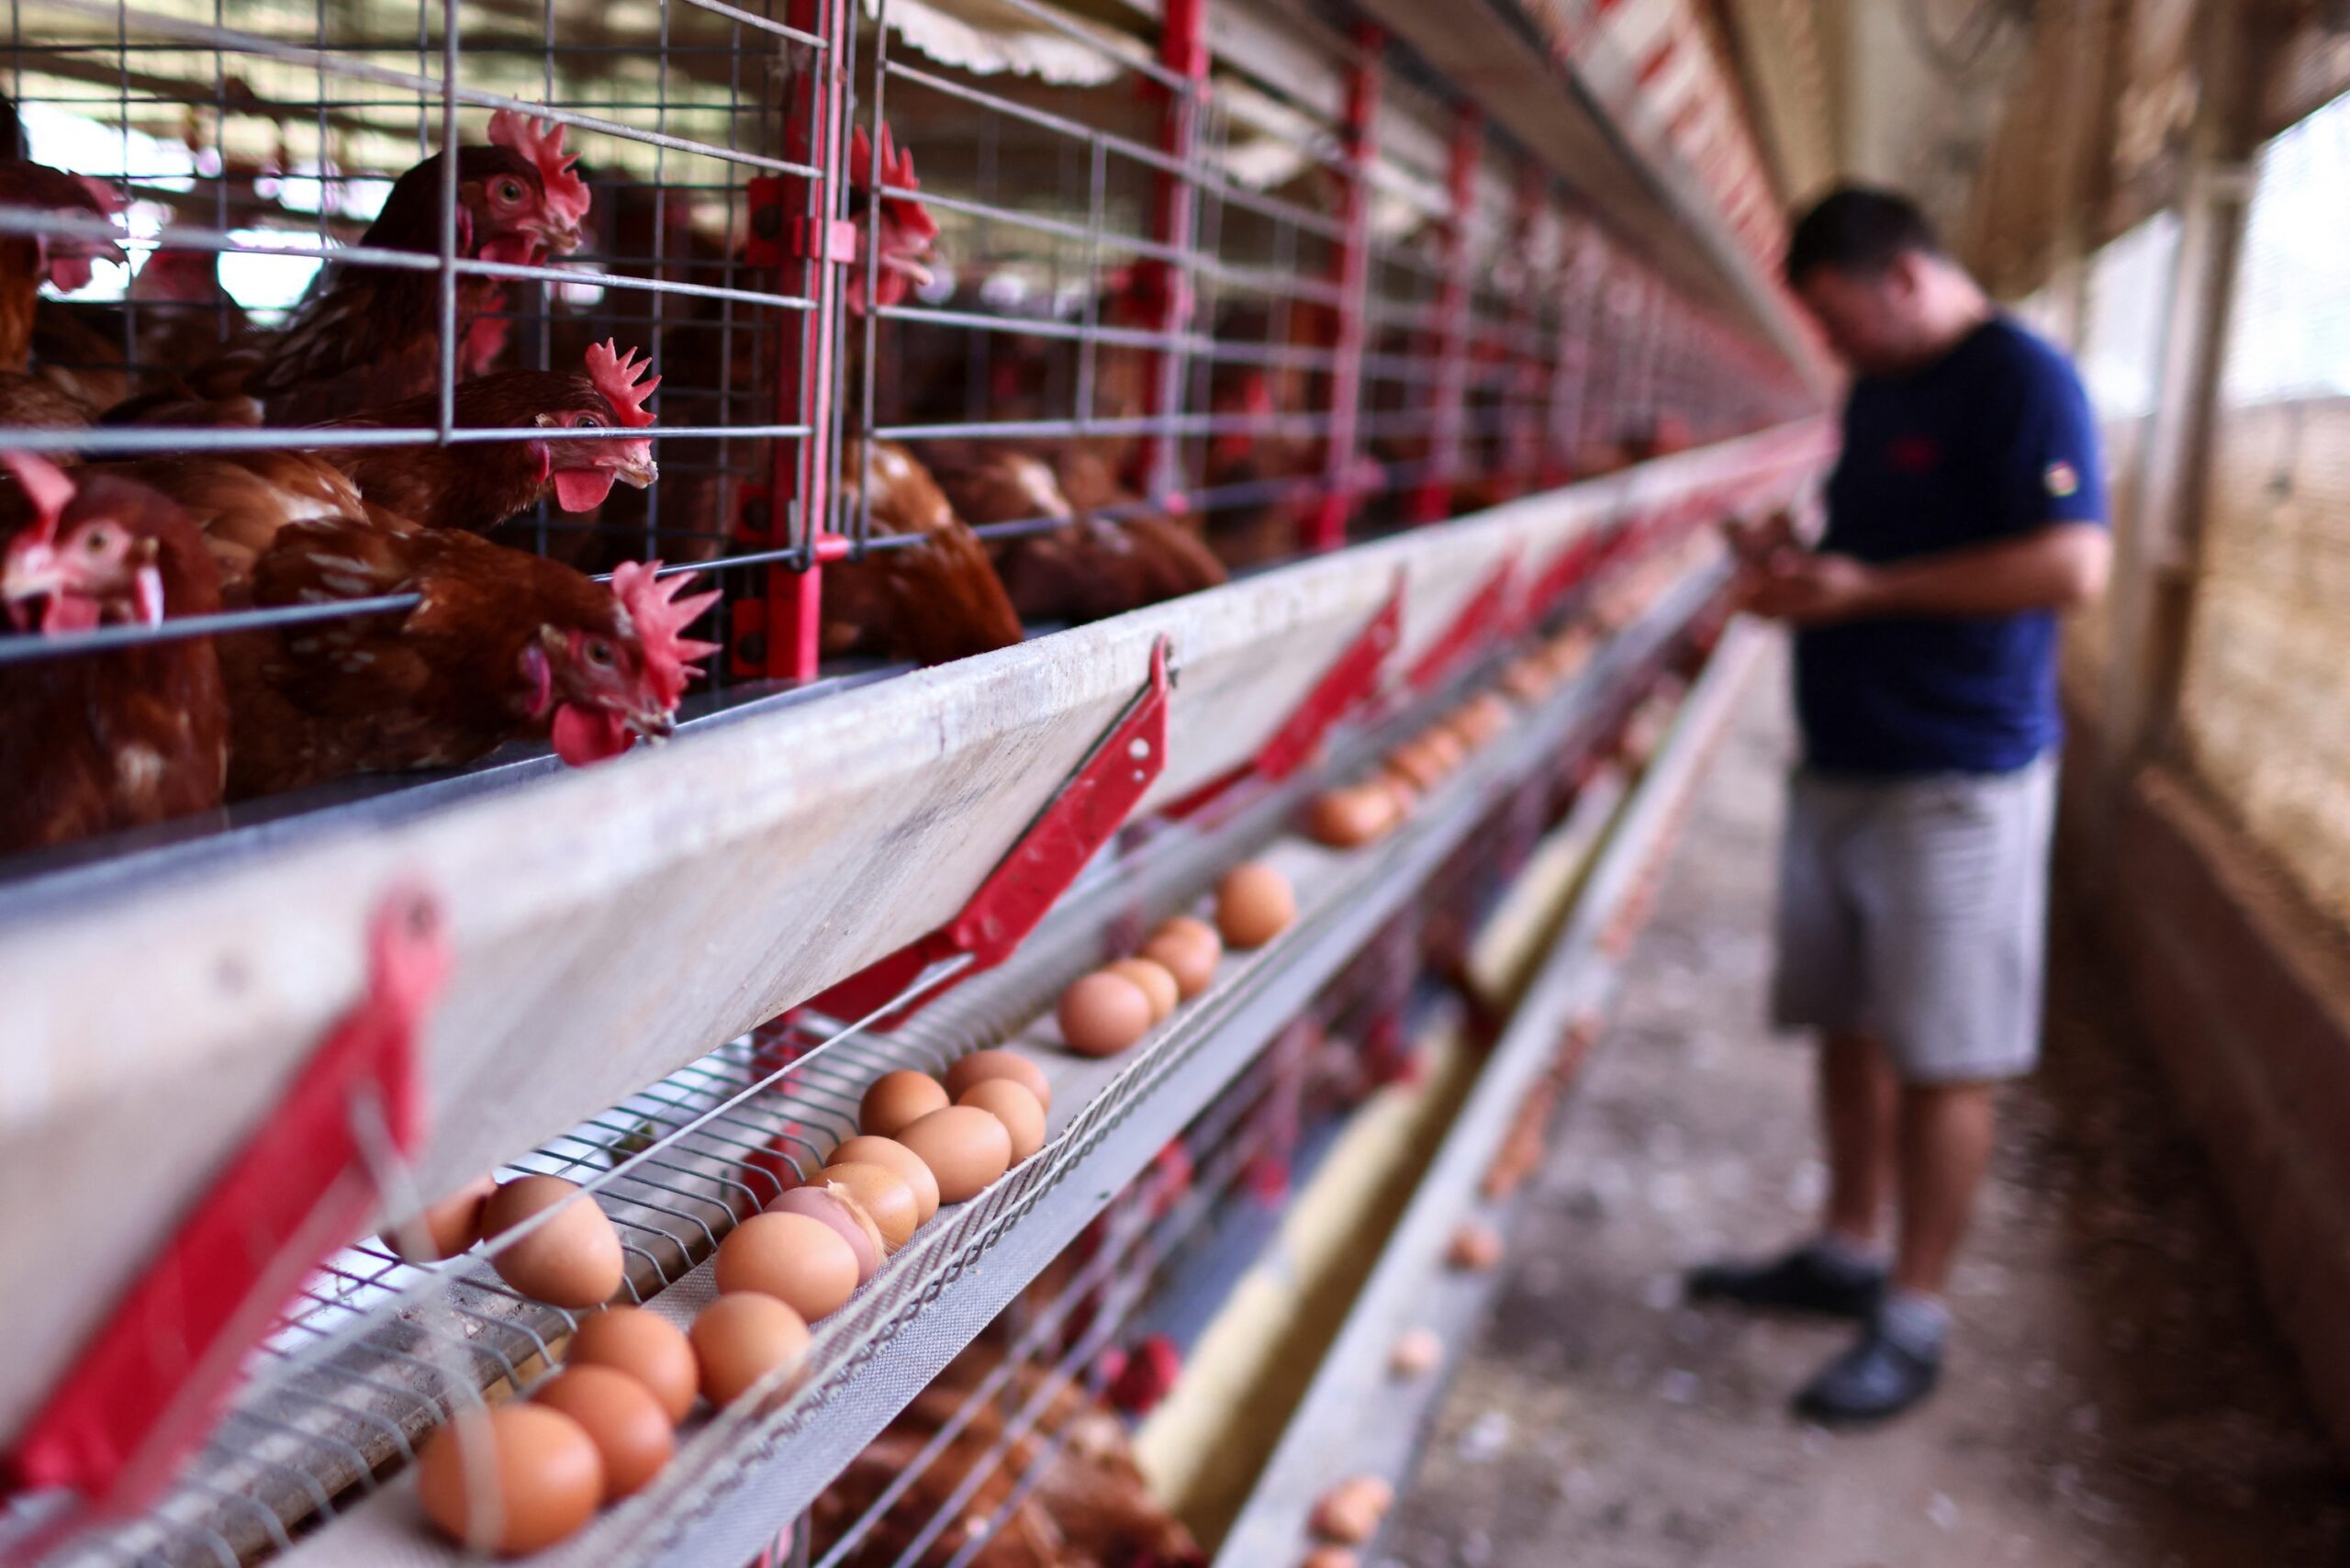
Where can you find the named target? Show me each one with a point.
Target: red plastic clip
(1481, 617)
(146, 1386)
(1073, 826)
(1351, 680)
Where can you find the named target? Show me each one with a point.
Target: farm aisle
(2113, 1396)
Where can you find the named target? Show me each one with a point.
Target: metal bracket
(1082, 815)
(777, 236)
(1478, 619)
(145, 1387)
(1351, 680)
(1570, 565)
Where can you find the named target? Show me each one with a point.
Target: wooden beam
(2159, 544)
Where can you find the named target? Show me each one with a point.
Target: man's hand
(2057, 568)
(1813, 589)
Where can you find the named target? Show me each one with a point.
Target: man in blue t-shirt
(1968, 509)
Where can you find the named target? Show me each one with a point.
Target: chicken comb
(45, 486)
(658, 613)
(108, 200)
(895, 166)
(619, 380)
(540, 142)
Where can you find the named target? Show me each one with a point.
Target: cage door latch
(1478, 620)
(1088, 808)
(1351, 680)
(146, 1386)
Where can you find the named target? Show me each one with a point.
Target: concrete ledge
(2245, 996)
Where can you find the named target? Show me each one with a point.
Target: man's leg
(1955, 915)
(1945, 1147)
(1817, 990)
(1860, 1108)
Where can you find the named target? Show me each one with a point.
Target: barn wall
(2220, 865)
(2265, 709)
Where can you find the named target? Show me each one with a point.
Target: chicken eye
(589, 421)
(599, 652)
(98, 541)
(508, 190)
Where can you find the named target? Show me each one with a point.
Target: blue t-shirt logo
(1993, 441)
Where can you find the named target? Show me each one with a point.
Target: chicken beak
(35, 571)
(652, 724)
(637, 471)
(908, 267)
(560, 237)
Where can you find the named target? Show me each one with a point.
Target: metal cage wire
(1271, 326)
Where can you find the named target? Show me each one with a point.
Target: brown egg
(968, 1070)
(1158, 984)
(632, 1434)
(1417, 765)
(1331, 1557)
(1476, 1246)
(546, 1475)
(790, 1157)
(1190, 959)
(797, 1258)
(1013, 1106)
(1416, 1353)
(1349, 1512)
(454, 1223)
(738, 1340)
(896, 1099)
(1253, 904)
(574, 1260)
(645, 1345)
(833, 1206)
(965, 1148)
(1345, 818)
(887, 1198)
(1101, 1015)
(1444, 749)
(1401, 796)
(891, 1155)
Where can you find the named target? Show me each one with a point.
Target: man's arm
(2057, 567)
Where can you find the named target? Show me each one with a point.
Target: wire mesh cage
(455, 337)
(1149, 313)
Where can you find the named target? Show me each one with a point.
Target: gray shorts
(1915, 912)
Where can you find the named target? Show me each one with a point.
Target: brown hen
(930, 602)
(93, 743)
(369, 335)
(476, 486)
(503, 644)
(1089, 1506)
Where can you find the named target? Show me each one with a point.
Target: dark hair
(1859, 229)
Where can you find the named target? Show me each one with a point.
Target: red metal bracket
(1014, 898)
(1351, 680)
(1570, 565)
(144, 1387)
(1482, 617)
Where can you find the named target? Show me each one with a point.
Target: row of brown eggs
(1105, 1012)
(518, 1477)
(1356, 815)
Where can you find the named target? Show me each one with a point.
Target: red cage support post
(797, 227)
(1163, 281)
(1571, 363)
(1433, 500)
(1350, 270)
(1522, 453)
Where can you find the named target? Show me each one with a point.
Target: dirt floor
(2113, 1395)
